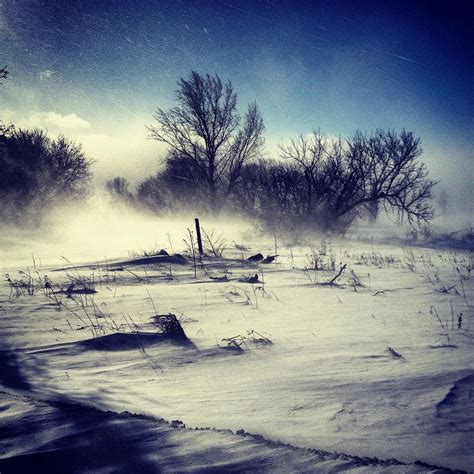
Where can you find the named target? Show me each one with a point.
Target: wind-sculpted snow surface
(60, 437)
(458, 405)
(375, 361)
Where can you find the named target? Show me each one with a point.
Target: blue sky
(335, 65)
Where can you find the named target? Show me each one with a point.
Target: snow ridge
(124, 440)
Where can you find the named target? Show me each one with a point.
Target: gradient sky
(98, 70)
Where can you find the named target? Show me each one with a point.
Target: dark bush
(118, 189)
(37, 172)
(179, 186)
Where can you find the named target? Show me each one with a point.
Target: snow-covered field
(372, 366)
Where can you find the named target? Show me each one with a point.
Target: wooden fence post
(198, 235)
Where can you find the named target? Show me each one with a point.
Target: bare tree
(205, 129)
(384, 168)
(346, 180)
(310, 154)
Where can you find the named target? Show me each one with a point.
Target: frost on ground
(377, 363)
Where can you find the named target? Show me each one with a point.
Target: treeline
(317, 182)
(215, 165)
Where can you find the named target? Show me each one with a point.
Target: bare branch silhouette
(204, 130)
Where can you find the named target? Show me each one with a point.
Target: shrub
(37, 171)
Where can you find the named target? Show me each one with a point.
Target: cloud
(69, 122)
(52, 121)
(46, 74)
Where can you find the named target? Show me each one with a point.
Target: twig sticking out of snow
(394, 353)
(338, 275)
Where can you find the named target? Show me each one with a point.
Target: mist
(99, 229)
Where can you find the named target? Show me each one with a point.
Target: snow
(327, 382)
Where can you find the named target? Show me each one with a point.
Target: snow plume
(99, 229)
